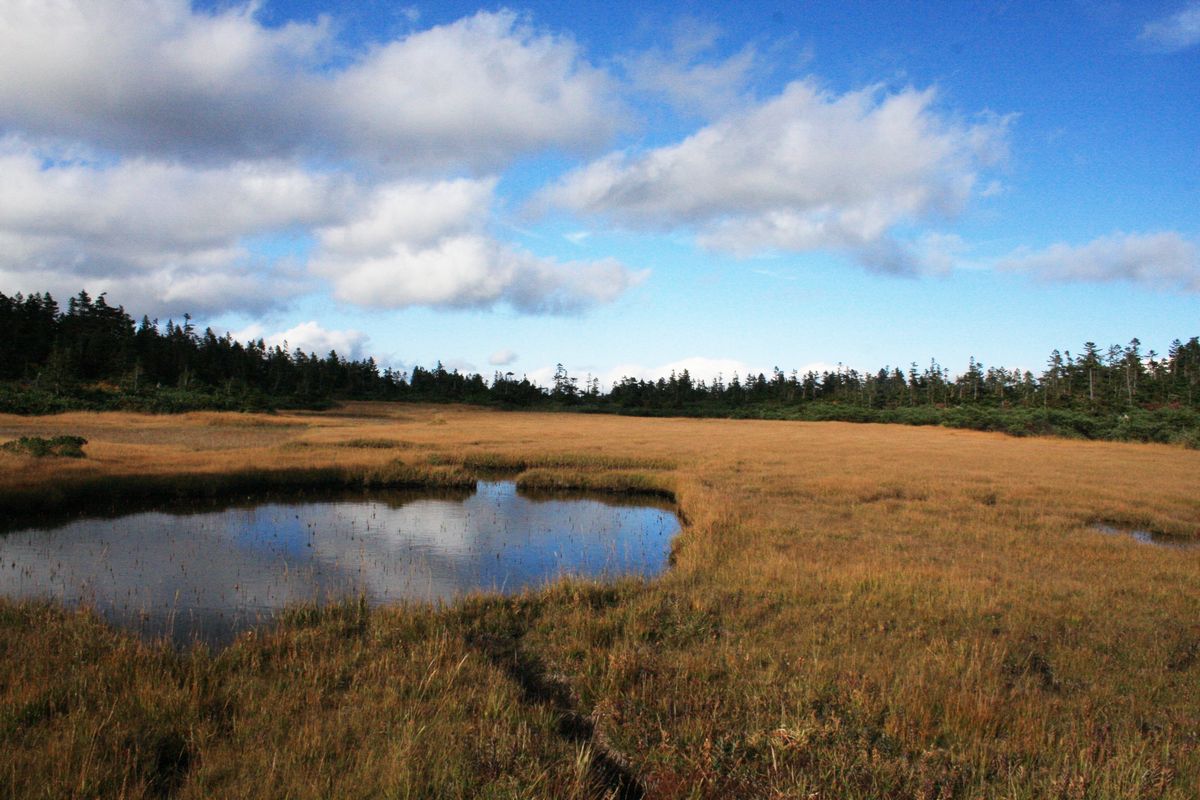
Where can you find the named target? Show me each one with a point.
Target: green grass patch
(39, 447)
(376, 444)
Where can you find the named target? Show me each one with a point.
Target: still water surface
(1148, 537)
(210, 573)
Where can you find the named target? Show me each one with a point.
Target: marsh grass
(65, 446)
(100, 490)
(853, 611)
(379, 444)
(621, 482)
(247, 420)
(266, 717)
(493, 461)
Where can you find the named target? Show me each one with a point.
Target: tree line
(95, 355)
(1116, 379)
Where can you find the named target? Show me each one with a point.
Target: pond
(1148, 537)
(209, 572)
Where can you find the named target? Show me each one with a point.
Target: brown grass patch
(854, 611)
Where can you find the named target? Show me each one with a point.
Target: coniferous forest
(93, 355)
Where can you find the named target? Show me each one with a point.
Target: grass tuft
(375, 444)
(39, 447)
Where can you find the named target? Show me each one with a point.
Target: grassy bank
(852, 611)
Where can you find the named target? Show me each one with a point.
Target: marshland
(599, 400)
(849, 610)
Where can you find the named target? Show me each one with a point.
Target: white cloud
(168, 238)
(155, 151)
(150, 206)
(309, 337)
(157, 77)
(1160, 260)
(164, 236)
(502, 358)
(1178, 31)
(804, 170)
(152, 75)
(479, 90)
(687, 78)
(425, 244)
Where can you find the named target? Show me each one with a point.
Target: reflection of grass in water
(855, 611)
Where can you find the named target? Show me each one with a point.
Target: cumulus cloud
(1159, 260)
(425, 244)
(166, 293)
(309, 337)
(802, 171)
(479, 90)
(1178, 31)
(152, 206)
(161, 234)
(167, 237)
(157, 77)
(150, 149)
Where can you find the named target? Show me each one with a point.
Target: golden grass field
(853, 611)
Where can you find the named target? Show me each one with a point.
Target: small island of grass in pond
(210, 573)
(68, 446)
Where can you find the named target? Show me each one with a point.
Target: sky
(623, 188)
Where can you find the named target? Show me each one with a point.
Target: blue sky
(623, 188)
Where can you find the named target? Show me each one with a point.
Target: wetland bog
(851, 611)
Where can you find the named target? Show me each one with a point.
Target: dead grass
(853, 611)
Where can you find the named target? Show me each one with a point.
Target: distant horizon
(625, 189)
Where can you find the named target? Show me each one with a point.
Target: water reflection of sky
(1148, 537)
(213, 573)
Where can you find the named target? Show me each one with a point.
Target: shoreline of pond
(94, 493)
